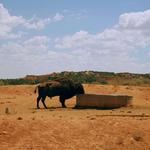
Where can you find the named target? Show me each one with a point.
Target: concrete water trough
(102, 101)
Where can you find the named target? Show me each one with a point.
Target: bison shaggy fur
(62, 87)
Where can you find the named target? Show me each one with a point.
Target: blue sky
(99, 14)
(39, 37)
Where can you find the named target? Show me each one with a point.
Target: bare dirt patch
(23, 127)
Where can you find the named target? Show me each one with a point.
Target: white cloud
(110, 50)
(76, 14)
(113, 48)
(135, 20)
(35, 46)
(24, 57)
(58, 17)
(73, 41)
(8, 22)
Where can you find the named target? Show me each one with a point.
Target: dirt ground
(23, 127)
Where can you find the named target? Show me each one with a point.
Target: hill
(85, 77)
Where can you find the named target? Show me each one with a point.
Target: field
(23, 127)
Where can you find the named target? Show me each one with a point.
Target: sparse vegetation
(17, 81)
(85, 77)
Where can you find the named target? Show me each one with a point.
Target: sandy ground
(23, 127)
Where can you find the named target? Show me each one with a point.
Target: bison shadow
(52, 108)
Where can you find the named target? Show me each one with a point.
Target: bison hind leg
(38, 99)
(43, 101)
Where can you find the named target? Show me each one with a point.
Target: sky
(40, 37)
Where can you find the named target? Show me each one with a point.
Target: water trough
(102, 101)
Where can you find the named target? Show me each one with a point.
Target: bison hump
(53, 84)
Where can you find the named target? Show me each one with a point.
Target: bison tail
(35, 89)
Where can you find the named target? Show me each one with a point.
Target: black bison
(64, 88)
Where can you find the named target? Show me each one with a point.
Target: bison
(64, 88)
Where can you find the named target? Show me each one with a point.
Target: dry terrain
(23, 127)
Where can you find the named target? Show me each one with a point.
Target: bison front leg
(62, 101)
(43, 101)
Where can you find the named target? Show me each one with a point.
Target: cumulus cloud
(24, 57)
(113, 49)
(135, 20)
(8, 22)
(37, 45)
(128, 33)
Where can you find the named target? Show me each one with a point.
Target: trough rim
(126, 98)
(114, 95)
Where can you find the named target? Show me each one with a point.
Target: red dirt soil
(23, 127)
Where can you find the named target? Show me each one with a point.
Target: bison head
(79, 88)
